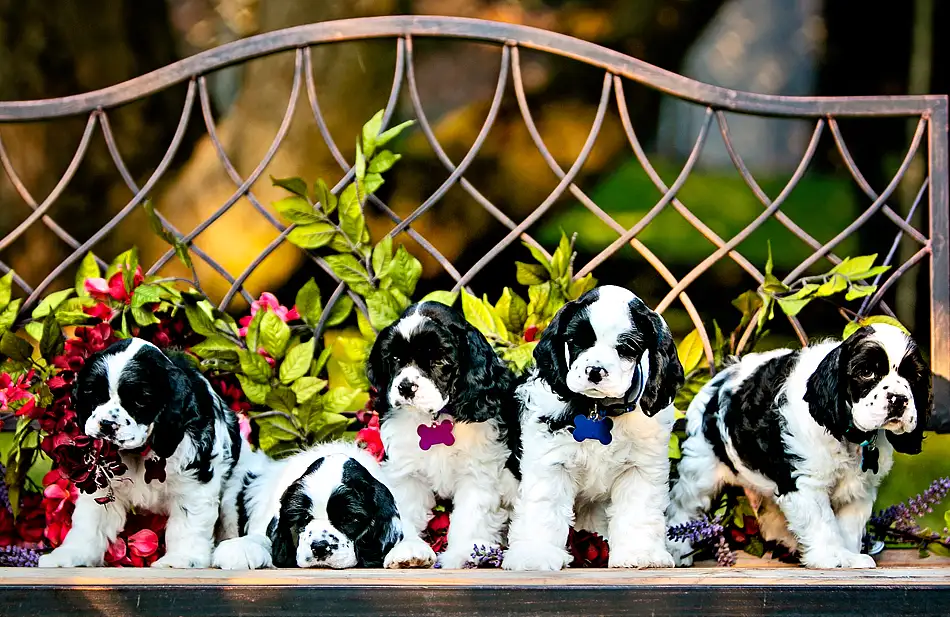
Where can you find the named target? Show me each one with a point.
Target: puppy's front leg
(636, 518)
(95, 528)
(414, 501)
(811, 519)
(189, 534)
(853, 520)
(543, 513)
(477, 520)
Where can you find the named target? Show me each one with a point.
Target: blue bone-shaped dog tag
(596, 427)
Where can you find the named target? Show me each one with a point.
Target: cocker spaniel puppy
(596, 420)
(160, 412)
(812, 432)
(448, 421)
(326, 507)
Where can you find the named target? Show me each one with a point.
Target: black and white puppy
(805, 431)
(596, 420)
(448, 421)
(155, 408)
(326, 507)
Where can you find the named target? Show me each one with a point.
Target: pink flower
(244, 423)
(268, 301)
(144, 543)
(13, 391)
(114, 288)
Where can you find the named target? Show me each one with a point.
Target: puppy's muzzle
(321, 549)
(896, 405)
(108, 428)
(596, 374)
(407, 389)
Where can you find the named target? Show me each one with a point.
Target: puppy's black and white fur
(794, 427)
(608, 350)
(432, 365)
(326, 507)
(152, 406)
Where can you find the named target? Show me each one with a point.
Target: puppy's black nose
(595, 374)
(407, 389)
(321, 549)
(108, 427)
(896, 404)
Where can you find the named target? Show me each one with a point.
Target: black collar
(868, 442)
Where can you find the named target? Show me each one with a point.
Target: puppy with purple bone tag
(449, 425)
(597, 412)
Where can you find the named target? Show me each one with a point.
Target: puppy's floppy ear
(549, 353)
(918, 375)
(283, 547)
(182, 400)
(483, 378)
(377, 369)
(826, 401)
(384, 532)
(666, 372)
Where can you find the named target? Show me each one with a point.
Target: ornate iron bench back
(823, 111)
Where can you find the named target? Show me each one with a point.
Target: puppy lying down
(326, 507)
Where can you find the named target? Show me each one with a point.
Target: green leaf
(772, 285)
(854, 326)
(383, 309)
(52, 339)
(309, 304)
(531, 274)
(351, 349)
(360, 166)
(850, 266)
(351, 214)
(311, 236)
(370, 133)
(327, 426)
(561, 259)
(215, 346)
(339, 399)
(281, 399)
(386, 136)
(832, 286)
(405, 271)
(326, 199)
(9, 314)
(255, 366)
(768, 262)
(34, 329)
(88, 269)
(540, 258)
(320, 362)
(500, 327)
(445, 297)
(254, 331)
(792, 306)
(143, 316)
(14, 347)
(147, 294)
(274, 335)
(382, 256)
(278, 435)
(691, 352)
(856, 290)
(51, 302)
(340, 311)
(200, 320)
(365, 327)
(297, 210)
(254, 391)
(351, 272)
(539, 297)
(6, 289)
(673, 451)
(371, 184)
(70, 312)
(477, 314)
(870, 273)
(512, 310)
(295, 185)
(297, 362)
(305, 388)
(354, 373)
(383, 162)
(747, 304)
(520, 356)
(581, 286)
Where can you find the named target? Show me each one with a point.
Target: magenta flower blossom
(269, 302)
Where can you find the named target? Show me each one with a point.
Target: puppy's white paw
(531, 556)
(826, 560)
(455, 558)
(245, 553)
(183, 560)
(64, 557)
(410, 553)
(647, 557)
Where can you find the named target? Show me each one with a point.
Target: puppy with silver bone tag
(596, 416)
(448, 421)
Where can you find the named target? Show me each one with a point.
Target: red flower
(59, 498)
(370, 439)
(589, 549)
(13, 391)
(268, 301)
(116, 553)
(143, 543)
(529, 333)
(100, 311)
(8, 535)
(32, 519)
(437, 531)
(114, 288)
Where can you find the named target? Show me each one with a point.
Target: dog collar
(597, 424)
(867, 442)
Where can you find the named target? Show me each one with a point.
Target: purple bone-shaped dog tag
(433, 435)
(593, 428)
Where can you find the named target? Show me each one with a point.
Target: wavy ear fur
(666, 372)
(826, 402)
(186, 396)
(549, 352)
(483, 378)
(917, 373)
(283, 547)
(378, 373)
(384, 532)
